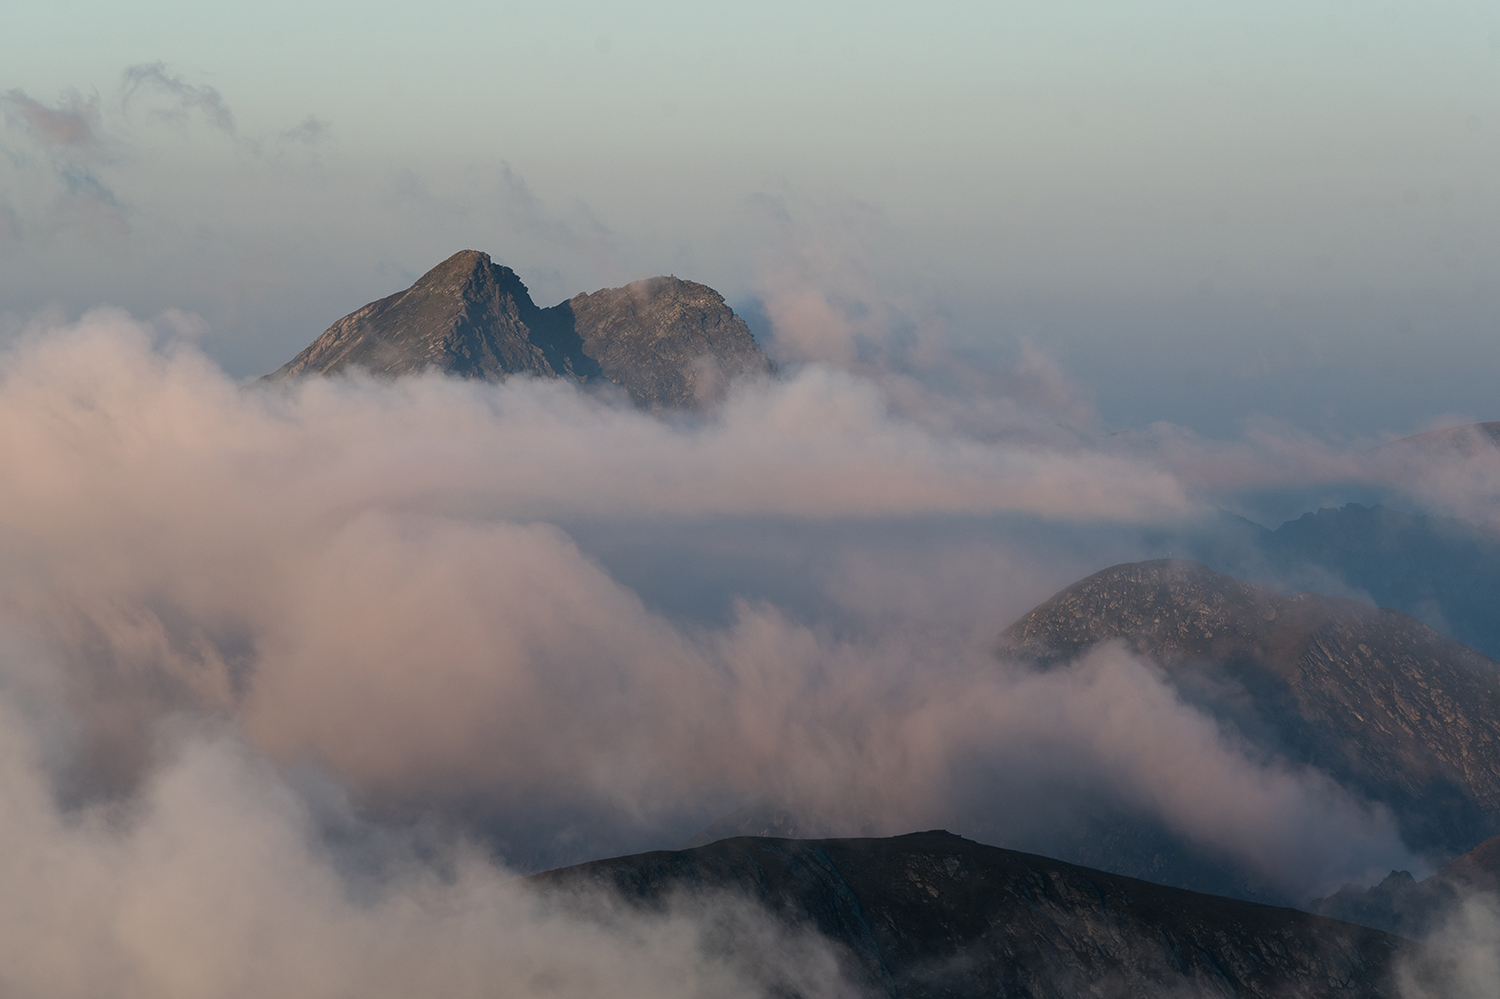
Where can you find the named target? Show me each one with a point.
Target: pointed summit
(467, 316)
(669, 343)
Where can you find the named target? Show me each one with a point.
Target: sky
(1043, 282)
(1203, 214)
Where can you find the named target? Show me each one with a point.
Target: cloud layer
(375, 579)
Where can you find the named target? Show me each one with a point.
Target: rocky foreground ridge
(667, 342)
(935, 915)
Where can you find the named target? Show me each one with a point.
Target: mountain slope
(1466, 441)
(467, 316)
(1439, 569)
(932, 914)
(667, 342)
(1383, 703)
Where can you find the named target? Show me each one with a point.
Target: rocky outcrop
(935, 915)
(668, 343)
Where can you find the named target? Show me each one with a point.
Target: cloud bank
(214, 881)
(376, 580)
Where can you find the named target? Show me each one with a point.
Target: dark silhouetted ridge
(935, 915)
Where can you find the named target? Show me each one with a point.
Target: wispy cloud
(186, 98)
(375, 576)
(310, 131)
(69, 138)
(73, 125)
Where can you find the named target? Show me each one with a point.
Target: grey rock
(668, 343)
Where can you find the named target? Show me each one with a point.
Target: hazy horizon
(1202, 216)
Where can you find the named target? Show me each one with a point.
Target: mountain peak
(468, 272)
(1173, 606)
(668, 342)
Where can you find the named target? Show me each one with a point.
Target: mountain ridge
(1383, 703)
(933, 914)
(1403, 905)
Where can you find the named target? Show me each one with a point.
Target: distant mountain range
(935, 915)
(1441, 570)
(667, 342)
(1403, 905)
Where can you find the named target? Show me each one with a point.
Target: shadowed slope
(933, 914)
(467, 316)
(1382, 702)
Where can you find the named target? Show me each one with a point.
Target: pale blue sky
(988, 158)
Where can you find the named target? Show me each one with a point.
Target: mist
(378, 580)
(214, 879)
(296, 680)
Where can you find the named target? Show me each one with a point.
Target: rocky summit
(935, 915)
(667, 342)
(1384, 704)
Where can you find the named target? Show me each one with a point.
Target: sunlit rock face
(933, 914)
(1384, 704)
(667, 342)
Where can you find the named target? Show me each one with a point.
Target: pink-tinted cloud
(369, 576)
